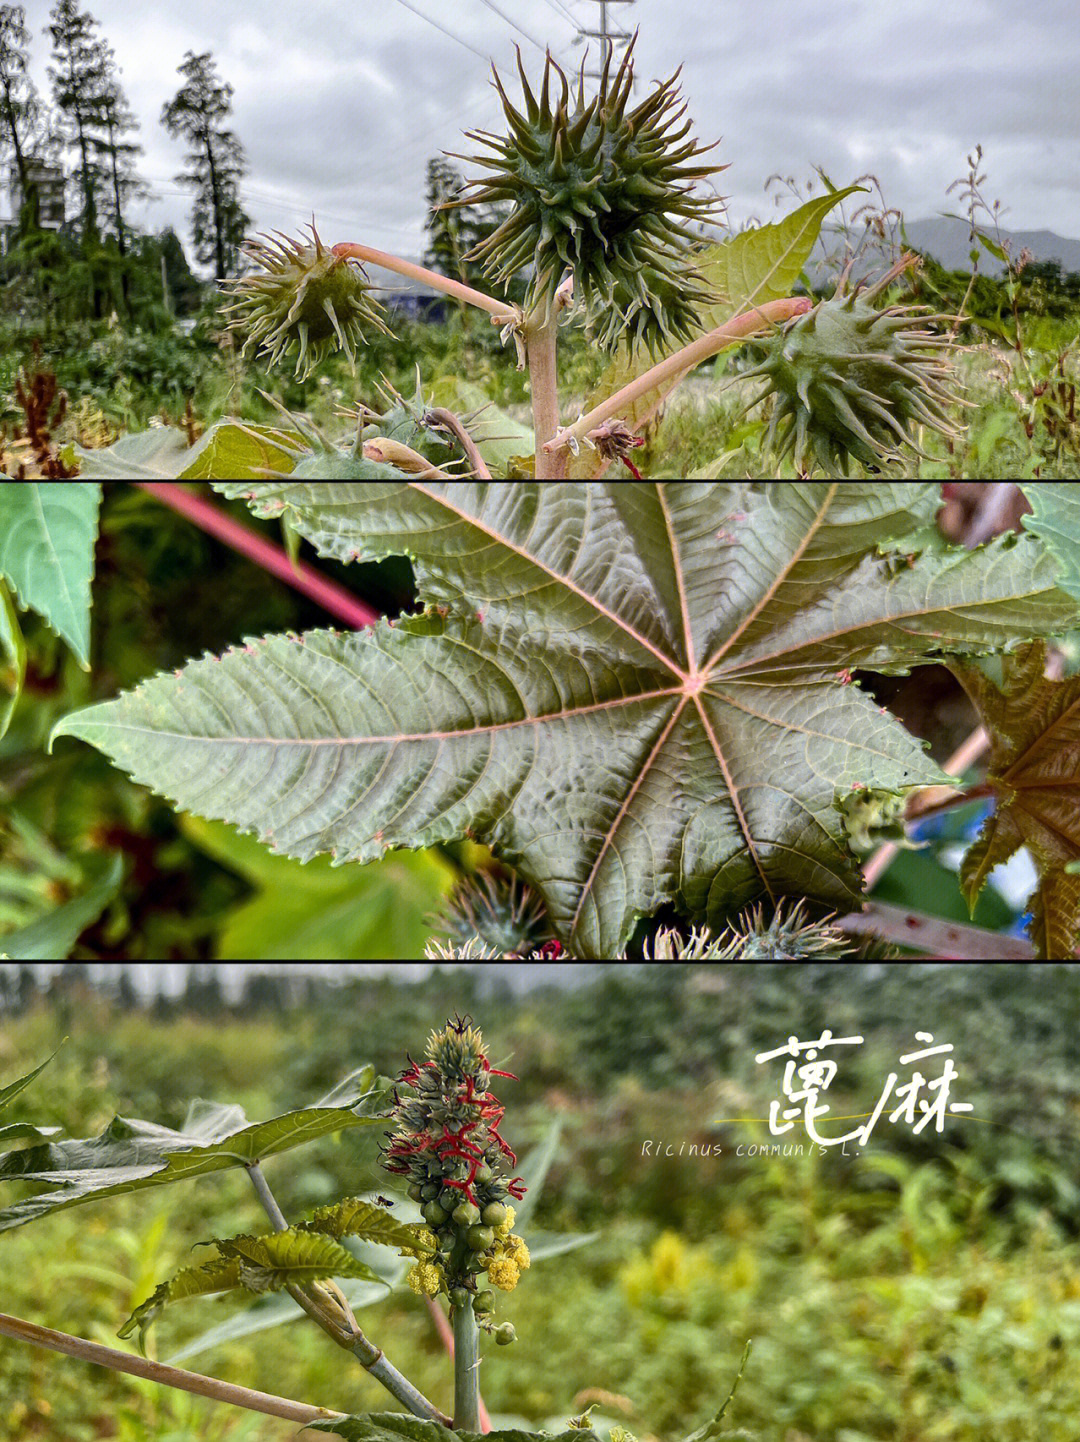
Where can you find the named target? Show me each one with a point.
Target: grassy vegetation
(1019, 373)
(927, 1290)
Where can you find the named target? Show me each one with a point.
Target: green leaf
(356, 1217)
(157, 454)
(47, 535)
(318, 912)
(400, 1427)
(543, 1245)
(1034, 774)
(1056, 519)
(253, 1264)
(23, 1131)
(234, 448)
(52, 936)
(747, 269)
(130, 1155)
(533, 1169)
(12, 659)
(713, 1428)
(12, 1090)
(275, 1310)
(642, 647)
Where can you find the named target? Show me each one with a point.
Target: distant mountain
(947, 241)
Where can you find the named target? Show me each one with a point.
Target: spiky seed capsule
(602, 191)
(789, 936)
(305, 301)
(850, 380)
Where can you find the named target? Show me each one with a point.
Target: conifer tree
(216, 162)
(79, 78)
(19, 106)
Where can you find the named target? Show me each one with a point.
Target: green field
(927, 1290)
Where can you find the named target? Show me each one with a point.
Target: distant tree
(183, 285)
(263, 991)
(127, 998)
(19, 105)
(116, 157)
(216, 159)
(79, 79)
(453, 230)
(27, 989)
(202, 993)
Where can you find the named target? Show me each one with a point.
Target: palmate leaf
(1034, 773)
(634, 693)
(252, 1264)
(130, 1155)
(1056, 518)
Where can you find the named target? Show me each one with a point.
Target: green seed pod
(306, 301)
(494, 1214)
(850, 380)
(434, 1215)
(429, 1191)
(603, 191)
(483, 1174)
(505, 1334)
(478, 1239)
(484, 1302)
(459, 1296)
(466, 1214)
(416, 1191)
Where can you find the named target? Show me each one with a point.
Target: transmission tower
(605, 34)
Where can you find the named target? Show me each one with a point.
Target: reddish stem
(202, 513)
(446, 1332)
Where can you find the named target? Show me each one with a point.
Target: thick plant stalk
(446, 1333)
(466, 1366)
(193, 1382)
(540, 342)
(773, 312)
(945, 940)
(341, 1325)
(332, 597)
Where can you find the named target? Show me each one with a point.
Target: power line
(557, 5)
(503, 16)
(605, 35)
(448, 33)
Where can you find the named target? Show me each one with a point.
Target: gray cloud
(339, 107)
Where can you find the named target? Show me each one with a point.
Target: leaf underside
(635, 694)
(1034, 729)
(130, 1155)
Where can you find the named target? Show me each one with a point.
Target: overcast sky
(340, 105)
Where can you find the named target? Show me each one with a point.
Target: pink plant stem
(446, 1332)
(302, 577)
(500, 310)
(771, 313)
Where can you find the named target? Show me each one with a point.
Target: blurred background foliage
(165, 592)
(925, 1289)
